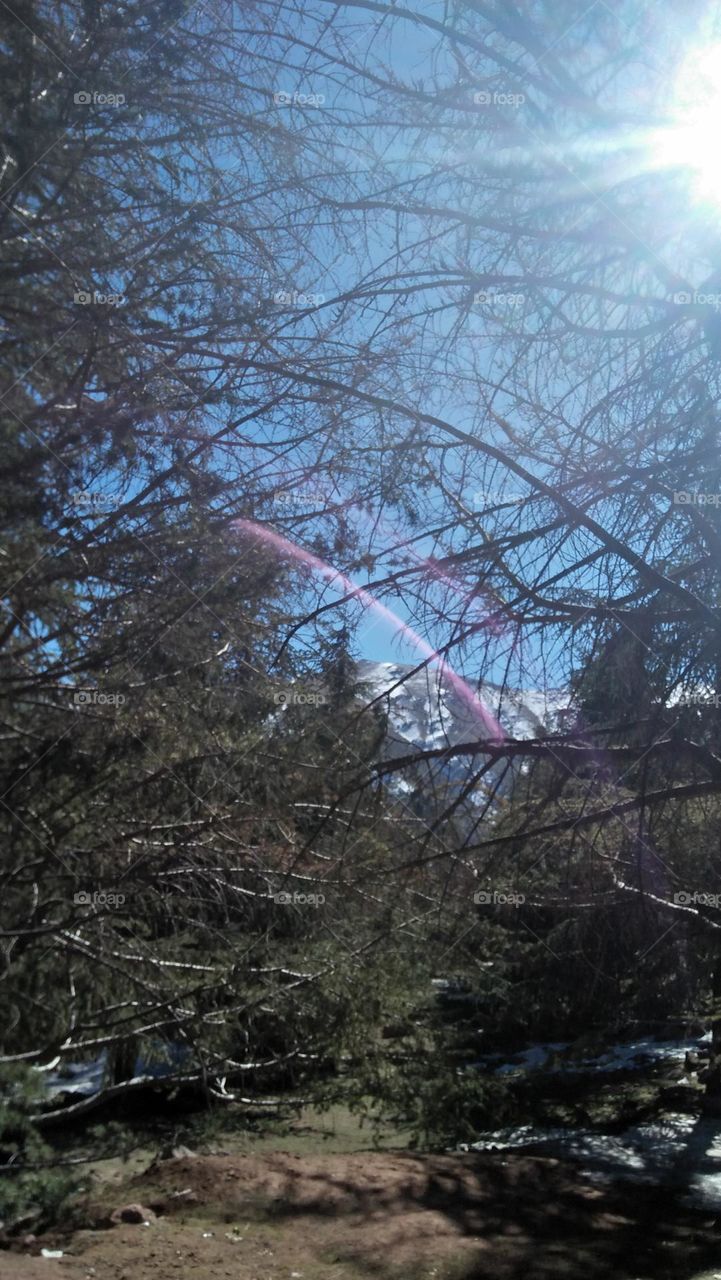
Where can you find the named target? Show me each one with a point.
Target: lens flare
(690, 140)
(283, 546)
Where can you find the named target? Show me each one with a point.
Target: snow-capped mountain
(429, 708)
(433, 708)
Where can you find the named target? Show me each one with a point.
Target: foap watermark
(699, 699)
(494, 297)
(89, 98)
(85, 500)
(296, 698)
(299, 899)
(92, 297)
(492, 898)
(300, 498)
(96, 698)
(295, 298)
(283, 99)
(100, 899)
(486, 98)
(692, 498)
(686, 899)
(497, 498)
(685, 299)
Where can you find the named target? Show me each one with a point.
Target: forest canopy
(311, 314)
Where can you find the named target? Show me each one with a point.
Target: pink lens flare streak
(488, 618)
(334, 577)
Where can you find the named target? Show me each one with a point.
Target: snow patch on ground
(679, 1150)
(631, 1055)
(86, 1078)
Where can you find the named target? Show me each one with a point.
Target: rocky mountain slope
(431, 709)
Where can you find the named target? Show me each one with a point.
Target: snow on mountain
(431, 708)
(426, 710)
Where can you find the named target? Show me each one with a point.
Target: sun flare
(692, 137)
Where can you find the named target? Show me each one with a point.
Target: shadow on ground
(501, 1215)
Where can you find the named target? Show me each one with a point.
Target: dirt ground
(380, 1215)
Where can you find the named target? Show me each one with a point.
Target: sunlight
(691, 138)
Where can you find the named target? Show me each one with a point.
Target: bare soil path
(379, 1215)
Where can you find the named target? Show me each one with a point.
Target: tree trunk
(121, 1060)
(712, 1098)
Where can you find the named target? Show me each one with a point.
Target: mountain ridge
(427, 710)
